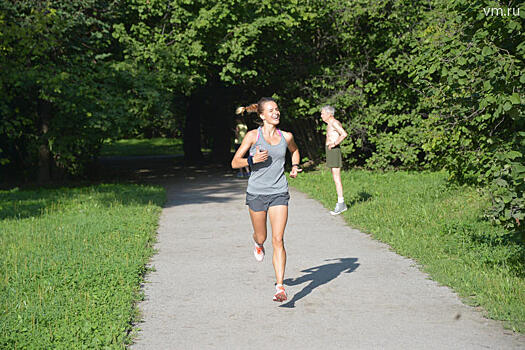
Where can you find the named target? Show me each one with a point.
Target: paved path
(346, 290)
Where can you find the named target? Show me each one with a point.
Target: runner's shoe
(280, 294)
(339, 208)
(258, 252)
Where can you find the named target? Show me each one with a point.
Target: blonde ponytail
(249, 109)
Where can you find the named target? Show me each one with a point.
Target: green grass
(441, 227)
(72, 261)
(142, 147)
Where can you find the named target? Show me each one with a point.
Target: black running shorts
(261, 202)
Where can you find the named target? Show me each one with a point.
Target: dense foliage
(419, 85)
(59, 97)
(64, 87)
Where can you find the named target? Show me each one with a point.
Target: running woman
(267, 192)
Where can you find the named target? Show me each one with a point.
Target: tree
(61, 95)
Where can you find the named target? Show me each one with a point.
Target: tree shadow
(318, 276)
(16, 204)
(201, 190)
(361, 197)
(186, 184)
(21, 204)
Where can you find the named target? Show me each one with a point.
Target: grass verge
(73, 260)
(142, 147)
(420, 216)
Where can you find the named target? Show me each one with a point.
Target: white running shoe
(339, 208)
(258, 252)
(280, 294)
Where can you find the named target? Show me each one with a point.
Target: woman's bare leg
(259, 226)
(278, 218)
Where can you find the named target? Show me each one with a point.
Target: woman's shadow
(318, 276)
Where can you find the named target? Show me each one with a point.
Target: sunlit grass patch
(72, 263)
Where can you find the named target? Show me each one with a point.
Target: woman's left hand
(294, 171)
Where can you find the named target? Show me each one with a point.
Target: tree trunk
(44, 153)
(222, 143)
(220, 113)
(192, 130)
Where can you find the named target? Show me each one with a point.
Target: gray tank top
(268, 177)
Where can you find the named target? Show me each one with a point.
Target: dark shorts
(261, 202)
(333, 157)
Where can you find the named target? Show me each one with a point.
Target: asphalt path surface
(345, 289)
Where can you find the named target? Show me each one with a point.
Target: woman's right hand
(259, 156)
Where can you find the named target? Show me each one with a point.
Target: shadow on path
(187, 183)
(216, 189)
(318, 276)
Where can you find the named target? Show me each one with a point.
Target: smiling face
(270, 114)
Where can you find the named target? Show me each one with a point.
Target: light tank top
(268, 177)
